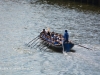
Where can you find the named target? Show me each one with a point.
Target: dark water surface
(81, 20)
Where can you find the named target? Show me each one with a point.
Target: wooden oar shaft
(84, 47)
(44, 45)
(34, 44)
(33, 39)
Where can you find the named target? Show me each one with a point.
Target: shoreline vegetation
(79, 5)
(90, 2)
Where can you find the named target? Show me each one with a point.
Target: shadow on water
(72, 5)
(55, 51)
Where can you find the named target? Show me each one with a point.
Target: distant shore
(90, 2)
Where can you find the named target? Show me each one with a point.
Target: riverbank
(90, 2)
(73, 5)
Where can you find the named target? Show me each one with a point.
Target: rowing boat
(67, 47)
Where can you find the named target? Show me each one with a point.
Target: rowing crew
(54, 38)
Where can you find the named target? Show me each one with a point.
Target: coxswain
(66, 36)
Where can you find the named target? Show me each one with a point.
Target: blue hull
(67, 47)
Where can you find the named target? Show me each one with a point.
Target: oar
(33, 42)
(83, 46)
(47, 46)
(41, 44)
(33, 39)
(38, 45)
(44, 45)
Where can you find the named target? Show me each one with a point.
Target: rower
(43, 33)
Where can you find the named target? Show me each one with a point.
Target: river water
(23, 20)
